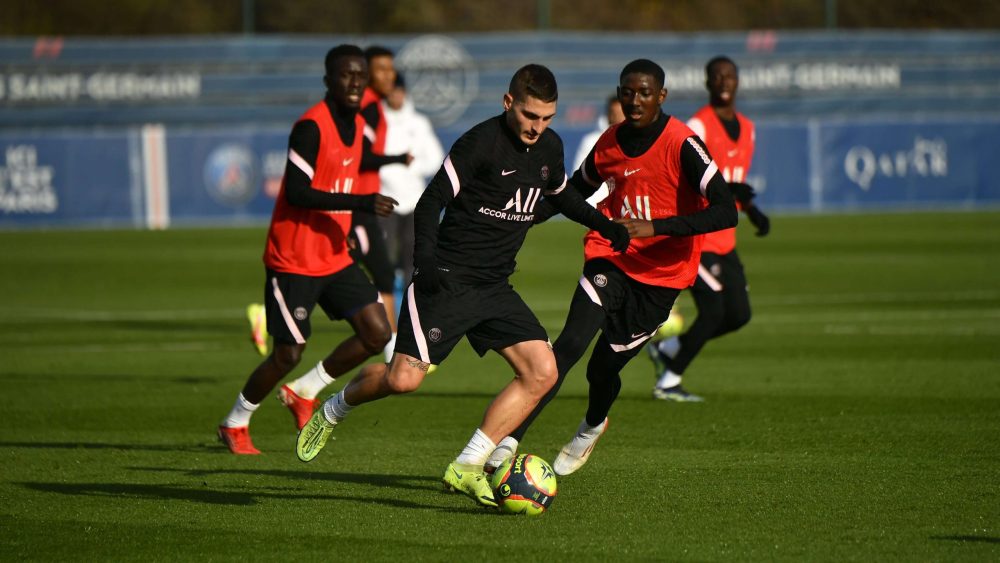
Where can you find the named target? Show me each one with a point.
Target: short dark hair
(339, 52)
(376, 51)
(717, 60)
(536, 81)
(644, 66)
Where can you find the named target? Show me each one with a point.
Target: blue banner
(68, 178)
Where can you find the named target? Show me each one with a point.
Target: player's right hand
(384, 205)
(637, 228)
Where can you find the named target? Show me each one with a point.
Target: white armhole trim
(449, 168)
(559, 189)
(300, 163)
(712, 170)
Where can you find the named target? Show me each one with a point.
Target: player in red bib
(370, 247)
(306, 256)
(665, 188)
(720, 291)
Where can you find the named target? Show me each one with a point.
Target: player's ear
(508, 101)
(663, 95)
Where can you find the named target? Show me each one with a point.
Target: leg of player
(373, 382)
(583, 321)
(234, 430)
(371, 333)
(603, 371)
(674, 354)
(534, 374)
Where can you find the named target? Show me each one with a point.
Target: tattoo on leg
(422, 366)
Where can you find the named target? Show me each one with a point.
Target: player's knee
(403, 382)
(287, 356)
(541, 377)
(376, 333)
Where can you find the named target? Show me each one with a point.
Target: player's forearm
(426, 219)
(372, 161)
(720, 214)
(572, 204)
(301, 194)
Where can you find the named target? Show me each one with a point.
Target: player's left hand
(759, 220)
(617, 235)
(637, 228)
(384, 205)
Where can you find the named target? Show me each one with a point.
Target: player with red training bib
(306, 257)
(665, 188)
(720, 290)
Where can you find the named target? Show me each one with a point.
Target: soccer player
(665, 188)
(489, 185)
(370, 247)
(306, 255)
(720, 290)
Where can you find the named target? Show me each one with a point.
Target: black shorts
(372, 251)
(634, 310)
(290, 299)
(720, 273)
(492, 316)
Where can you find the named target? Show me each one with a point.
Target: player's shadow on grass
(973, 539)
(133, 491)
(412, 482)
(198, 448)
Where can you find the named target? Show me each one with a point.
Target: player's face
(722, 82)
(347, 84)
(529, 118)
(641, 97)
(382, 75)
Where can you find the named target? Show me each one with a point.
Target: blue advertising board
(69, 178)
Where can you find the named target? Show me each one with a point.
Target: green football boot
(313, 436)
(471, 481)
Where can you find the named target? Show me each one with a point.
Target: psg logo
(600, 280)
(300, 313)
(545, 172)
(434, 334)
(230, 175)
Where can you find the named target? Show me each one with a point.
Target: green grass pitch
(857, 417)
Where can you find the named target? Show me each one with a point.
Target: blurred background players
(306, 256)
(369, 244)
(720, 290)
(407, 132)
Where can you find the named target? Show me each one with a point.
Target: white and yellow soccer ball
(673, 326)
(524, 484)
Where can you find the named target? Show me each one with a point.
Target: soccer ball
(673, 326)
(524, 484)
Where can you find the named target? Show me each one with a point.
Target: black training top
(489, 185)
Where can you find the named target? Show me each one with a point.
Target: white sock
(389, 348)
(312, 383)
(241, 413)
(668, 380)
(477, 450)
(589, 430)
(670, 346)
(336, 408)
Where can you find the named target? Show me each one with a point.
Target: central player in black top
(489, 186)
